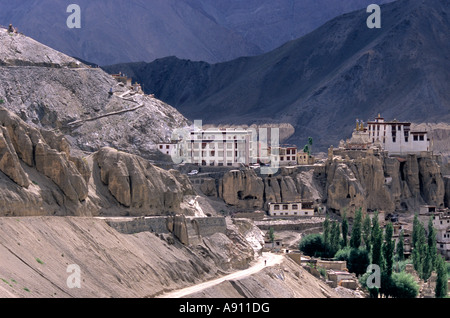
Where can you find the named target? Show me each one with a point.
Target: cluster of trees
(369, 245)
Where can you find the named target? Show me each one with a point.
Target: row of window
(286, 213)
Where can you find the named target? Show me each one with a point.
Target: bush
(358, 261)
(403, 285)
(343, 254)
(312, 245)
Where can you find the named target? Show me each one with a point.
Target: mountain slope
(50, 90)
(142, 30)
(323, 81)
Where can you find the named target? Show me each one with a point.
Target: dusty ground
(36, 251)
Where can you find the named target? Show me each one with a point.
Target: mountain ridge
(340, 72)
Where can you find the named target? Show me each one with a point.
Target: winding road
(272, 260)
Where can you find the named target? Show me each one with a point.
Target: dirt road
(271, 259)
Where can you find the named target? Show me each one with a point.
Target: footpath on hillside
(267, 260)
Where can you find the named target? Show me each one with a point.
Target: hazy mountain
(142, 30)
(322, 82)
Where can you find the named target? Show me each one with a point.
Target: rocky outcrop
(22, 141)
(242, 188)
(40, 176)
(137, 184)
(370, 181)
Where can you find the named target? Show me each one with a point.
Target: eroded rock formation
(369, 181)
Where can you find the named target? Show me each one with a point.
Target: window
(276, 207)
(160, 147)
(421, 137)
(306, 213)
(406, 139)
(293, 151)
(285, 207)
(416, 138)
(288, 152)
(288, 158)
(281, 158)
(295, 207)
(167, 147)
(394, 139)
(274, 213)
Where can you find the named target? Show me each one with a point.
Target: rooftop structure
(395, 137)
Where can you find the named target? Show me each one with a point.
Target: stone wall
(137, 225)
(187, 230)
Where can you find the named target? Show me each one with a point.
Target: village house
(441, 222)
(285, 155)
(291, 209)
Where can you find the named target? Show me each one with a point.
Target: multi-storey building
(397, 137)
(441, 222)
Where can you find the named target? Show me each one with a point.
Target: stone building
(441, 222)
(397, 137)
(291, 209)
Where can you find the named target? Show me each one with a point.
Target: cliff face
(369, 181)
(40, 176)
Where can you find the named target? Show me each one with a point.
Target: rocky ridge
(50, 90)
(40, 176)
(344, 182)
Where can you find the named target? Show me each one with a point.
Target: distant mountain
(324, 81)
(142, 30)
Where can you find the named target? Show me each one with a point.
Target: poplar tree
(344, 230)
(441, 288)
(355, 239)
(432, 248)
(388, 249)
(326, 233)
(335, 238)
(366, 232)
(376, 240)
(401, 247)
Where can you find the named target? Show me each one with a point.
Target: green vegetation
(355, 238)
(26, 289)
(312, 245)
(369, 245)
(441, 289)
(39, 261)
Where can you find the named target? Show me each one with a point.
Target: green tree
(441, 289)
(312, 245)
(271, 235)
(403, 285)
(307, 150)
(401, 247)
(327, 232)
(358, 261)
(420, 248)
(1, 101)
(432, 248)
(388, 249)
(343, 254)
(335, 239)
(344, 227)
(355, 238)
(377, 241)
(366, 232)
(415, 232)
